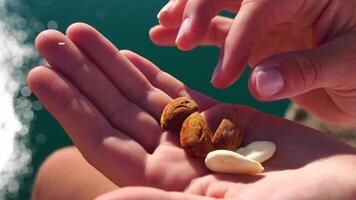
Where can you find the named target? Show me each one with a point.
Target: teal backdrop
(126, 24)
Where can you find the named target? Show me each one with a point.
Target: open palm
(109, 102)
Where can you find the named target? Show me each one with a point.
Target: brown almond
(229, 134)
(195, 136)
(176, 112)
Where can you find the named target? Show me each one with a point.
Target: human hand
(304, 50)
(110, 101)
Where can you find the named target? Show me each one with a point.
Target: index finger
(248, 29)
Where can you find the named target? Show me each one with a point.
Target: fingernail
(165, 8)
(217, 70)
(269, 82)
(183, 29)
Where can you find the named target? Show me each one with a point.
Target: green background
(126, 24)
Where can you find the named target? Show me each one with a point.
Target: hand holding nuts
(221, 148)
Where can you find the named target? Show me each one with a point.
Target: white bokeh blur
(16, 111)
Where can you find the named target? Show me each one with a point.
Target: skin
(310, 43)
(110, 101)
(67, 175)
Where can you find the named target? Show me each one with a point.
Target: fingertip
(81, 32)
(77, 26)
(232, 63)
(153, 33)
(219, 84)
(224, 78)
(171, 14)
(127, 53)
(163, 36)
(48, 38)
(218, 81)
(130, 55)
(32, 77)
(153, 30)
(216, 73)
(38, 78)
(197, 18)
(185, 40)
(252, 86)
(164, 17)
(146, 67)
(191, 33)
(184, 45)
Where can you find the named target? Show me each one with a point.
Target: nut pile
(221, 149)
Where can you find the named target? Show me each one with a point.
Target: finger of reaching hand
(167, 83)
(302, 71)
(216, 34)
(171, 14)
(197, 18)
(146, 193)
(248, 29)
(291, 74)
(124, 115)
(88, 128)
(123, 74)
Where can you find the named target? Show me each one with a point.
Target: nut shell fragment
(176, 112)
(195, 136)
(229, 134)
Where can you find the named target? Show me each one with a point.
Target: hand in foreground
(304, 50)
(109, 103)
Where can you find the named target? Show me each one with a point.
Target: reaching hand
(109, 103)
(304, 50)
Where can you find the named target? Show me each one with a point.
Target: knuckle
(204, 8)
(69, 99)
(307, 68)
(117, 111)
(212, 35)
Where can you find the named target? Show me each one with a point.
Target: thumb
(290, 74)
(248, 30)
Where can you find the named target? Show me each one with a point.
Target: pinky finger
(146, 193)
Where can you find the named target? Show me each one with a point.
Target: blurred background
(28, 134)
